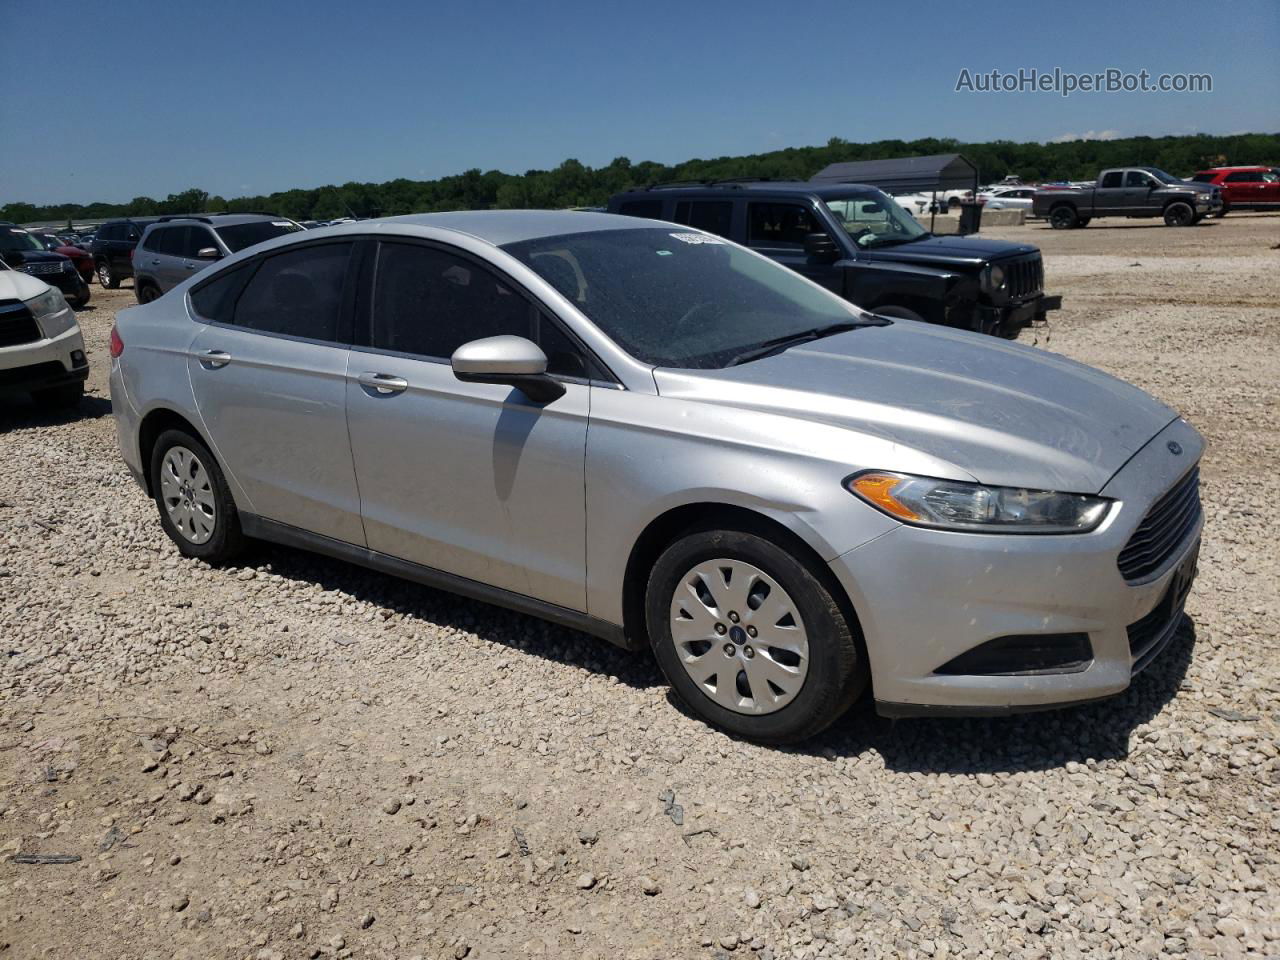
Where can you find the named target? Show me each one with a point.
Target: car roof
(500, 227)
(1250, 167)
(218, 219)
(823, 191)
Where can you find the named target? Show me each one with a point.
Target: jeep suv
(857, 242)
(112, 249)
(175, 248)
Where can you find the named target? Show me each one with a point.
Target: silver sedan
(650, 434)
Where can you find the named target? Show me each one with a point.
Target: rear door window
(713, 216)
(1113, 179)
(642, 208)
(297, 293)
(170, 241)
(779, 225)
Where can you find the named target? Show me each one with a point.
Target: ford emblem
(1175, 447)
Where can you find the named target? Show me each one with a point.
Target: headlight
(51, 312)
(995, 277)
(952, 505)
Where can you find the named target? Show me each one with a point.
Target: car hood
(15, 285)
(37, 256)
(949, 249)
(1002, 413)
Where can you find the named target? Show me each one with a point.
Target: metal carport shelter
(943, 171)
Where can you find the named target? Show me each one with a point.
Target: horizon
(280, 100)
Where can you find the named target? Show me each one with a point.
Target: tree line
(573, 184)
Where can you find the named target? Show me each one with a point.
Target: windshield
(676, 298)
(241, 235)
(875, 220)
(1162, 176)
(17, 239)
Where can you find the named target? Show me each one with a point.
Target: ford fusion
(655, 436)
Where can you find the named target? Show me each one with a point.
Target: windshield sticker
(696, 238)
(281, 223)
(663, 253)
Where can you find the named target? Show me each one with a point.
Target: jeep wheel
(106, 276)
(1179, 214)
(1062, 217)
(750, 637)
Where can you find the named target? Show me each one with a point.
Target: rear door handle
(383, 383)
(214, 359)
(189, 266)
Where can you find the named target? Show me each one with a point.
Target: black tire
(65, 396)
(898, 313)
(107, 276)
(1063, 217)
(1179, 214)
(80, 302)
(227, 541)
(837, 670)
(147, 292)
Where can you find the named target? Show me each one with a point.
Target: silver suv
(173, 249)
(651, 434)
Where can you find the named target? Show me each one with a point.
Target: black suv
(113, 246)
(858, 243)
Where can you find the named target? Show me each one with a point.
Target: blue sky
(246, 98)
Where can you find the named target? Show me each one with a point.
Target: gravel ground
(297, 758)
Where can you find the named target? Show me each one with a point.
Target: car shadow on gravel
(443, 610)
(1025, 742)
(19, 413)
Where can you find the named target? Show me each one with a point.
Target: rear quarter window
(214, 301)
(642, 208)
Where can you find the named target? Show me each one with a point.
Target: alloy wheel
(187, 495)
(104, 274)
(739, 636)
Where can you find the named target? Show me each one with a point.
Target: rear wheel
(751, 638)
(1179, 214)
(148, 292)
(1062, 217)
(62, 397)
(195, 504)
(106, 276)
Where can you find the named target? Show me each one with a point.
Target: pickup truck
(1128, 192)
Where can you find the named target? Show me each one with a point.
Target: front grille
(17, 325)
(1025, 277)
(1151, 634)
(42, 269)
(1163, 529)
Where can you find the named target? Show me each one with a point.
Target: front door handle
(383, 383)
(214, 359)
(189, 266)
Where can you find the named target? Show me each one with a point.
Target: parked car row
(25, 252)
(651, 433)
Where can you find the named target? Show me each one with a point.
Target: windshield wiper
(779, 344)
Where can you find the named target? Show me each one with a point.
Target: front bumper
(1012, 317)
(43, 363)
(924, 597)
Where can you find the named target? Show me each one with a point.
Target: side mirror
(509, 360)
(820, 246)
(208, 253)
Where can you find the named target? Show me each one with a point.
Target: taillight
(117, 345)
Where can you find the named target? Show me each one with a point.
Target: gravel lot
(298, 758)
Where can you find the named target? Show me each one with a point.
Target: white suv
(41, 349)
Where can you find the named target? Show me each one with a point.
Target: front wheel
(1062, 217)
(195, 504)
(1222, 211)
(751, 638)
(106, 276)
(1179, 214)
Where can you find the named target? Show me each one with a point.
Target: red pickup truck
(1244, 188)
